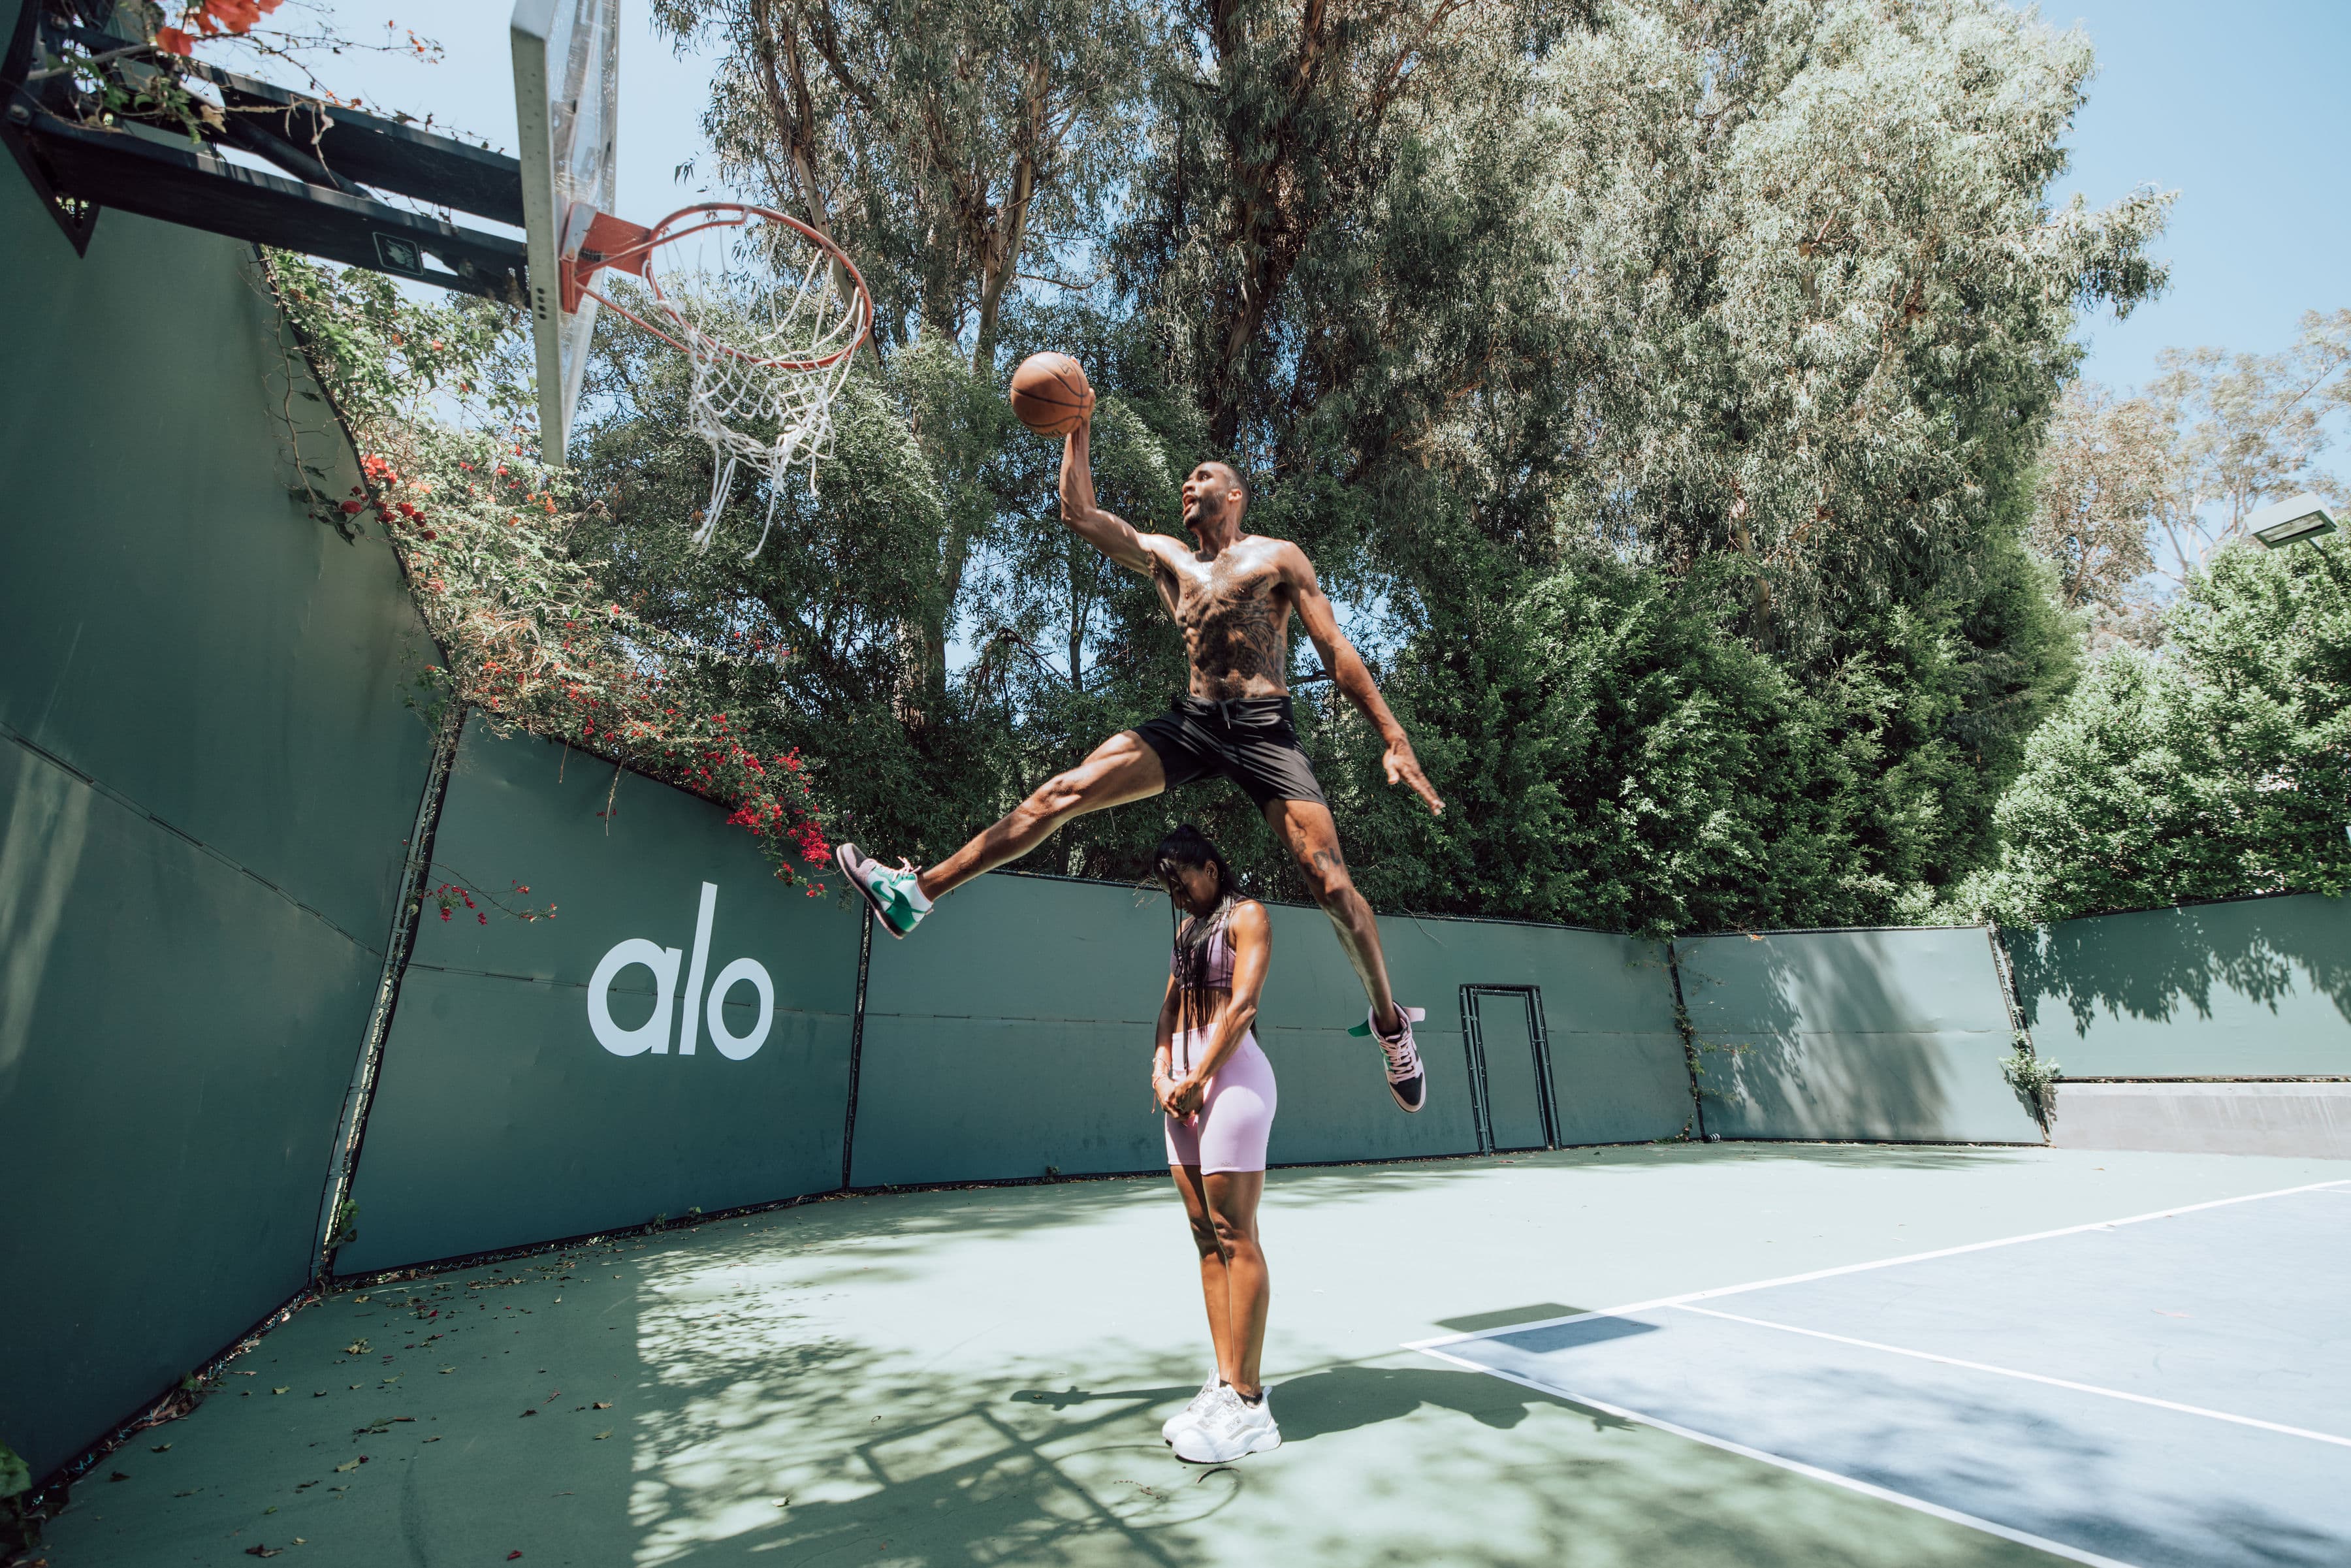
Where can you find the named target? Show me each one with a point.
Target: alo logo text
(654, 1034)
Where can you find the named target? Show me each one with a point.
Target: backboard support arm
(336, 155)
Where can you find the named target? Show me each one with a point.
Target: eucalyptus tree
(952, 147)
(1816, 245)
(1280, 137)
(958, 150)
(2248, 428)
(2108, 475)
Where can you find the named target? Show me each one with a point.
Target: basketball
(1049, 394)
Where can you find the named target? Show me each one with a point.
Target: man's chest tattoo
(1234, 619)
(1238, 633)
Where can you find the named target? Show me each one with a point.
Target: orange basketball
(1049, 395)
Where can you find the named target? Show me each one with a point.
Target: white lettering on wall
(689, 1011)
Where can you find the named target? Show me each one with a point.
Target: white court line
(1903, 1499)
(1688, 1296)
(2029, 1376)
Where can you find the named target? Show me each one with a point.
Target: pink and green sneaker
(1407, 1081)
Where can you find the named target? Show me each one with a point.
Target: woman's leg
(1213, 1290)
(1232, 1200)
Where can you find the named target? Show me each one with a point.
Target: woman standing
(1215, 1088)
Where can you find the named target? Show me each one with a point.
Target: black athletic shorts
(1248, 740)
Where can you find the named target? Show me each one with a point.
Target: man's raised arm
(1113, 536)
(1347, 668)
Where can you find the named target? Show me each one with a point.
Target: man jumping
(1232, 597)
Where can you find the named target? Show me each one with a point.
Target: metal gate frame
(1474, 1042)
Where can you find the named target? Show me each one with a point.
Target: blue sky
(2243, 109)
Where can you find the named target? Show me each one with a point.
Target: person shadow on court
(1345, 1398)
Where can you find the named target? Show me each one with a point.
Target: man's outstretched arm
(1113, 535)
(1347, 668)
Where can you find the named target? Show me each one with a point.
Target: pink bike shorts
(1230, 1130)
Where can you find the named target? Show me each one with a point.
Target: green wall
(2257, 987)
(499, 1119)
(1013, 1033)
(206, 777)
(1877, 1035)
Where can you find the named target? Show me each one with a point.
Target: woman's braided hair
(1188, 849)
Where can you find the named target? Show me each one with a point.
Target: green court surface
(976, 1377)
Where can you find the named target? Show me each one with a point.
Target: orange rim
(740, 213)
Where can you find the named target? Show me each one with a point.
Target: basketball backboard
(567, 74)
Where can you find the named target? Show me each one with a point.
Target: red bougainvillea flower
(352, 509)
(236, 16)
(172, 41)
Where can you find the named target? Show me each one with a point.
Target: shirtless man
(1232, 597)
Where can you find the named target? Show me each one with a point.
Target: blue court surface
(2170, 1388)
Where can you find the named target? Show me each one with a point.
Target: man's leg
(1306, 826)
(1121, 769)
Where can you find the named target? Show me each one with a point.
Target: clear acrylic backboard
(567, 74)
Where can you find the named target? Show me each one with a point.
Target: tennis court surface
(2168, 1389)
(976, 1377)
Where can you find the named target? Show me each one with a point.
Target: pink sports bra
(1218, 966)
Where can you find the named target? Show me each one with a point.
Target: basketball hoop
(782, 370)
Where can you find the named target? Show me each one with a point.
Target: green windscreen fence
(1012, 1036)
(675, 1038)
(2257, 987)
(1883, 1035)
(207, 774)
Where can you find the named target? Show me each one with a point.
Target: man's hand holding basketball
(1404, 768)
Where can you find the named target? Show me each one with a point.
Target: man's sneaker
(1406, 1081)
(1190, 1413)
(898, 903)
(1230, 1427)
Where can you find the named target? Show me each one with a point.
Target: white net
(769, 356)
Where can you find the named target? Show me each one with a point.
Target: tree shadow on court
(2070, 1471)
(2191, 961)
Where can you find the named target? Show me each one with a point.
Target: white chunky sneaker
(1190, 1413)
(1230, 1427)
(1406, 1081)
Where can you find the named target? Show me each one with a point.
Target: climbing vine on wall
(531, 637)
